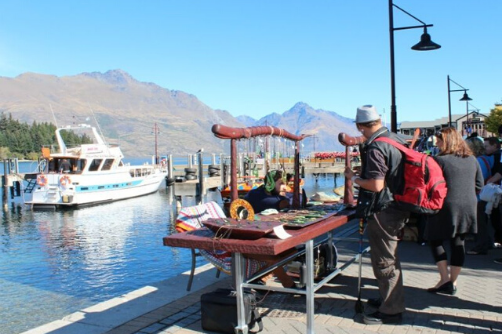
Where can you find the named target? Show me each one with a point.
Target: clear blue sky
(258, 57)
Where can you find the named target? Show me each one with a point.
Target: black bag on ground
(219, 311)
(323, 256)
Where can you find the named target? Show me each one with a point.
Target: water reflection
(55, 263)
(81, 257)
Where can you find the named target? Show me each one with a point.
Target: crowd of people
(467, 165)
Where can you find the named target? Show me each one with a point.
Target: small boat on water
(89, 174)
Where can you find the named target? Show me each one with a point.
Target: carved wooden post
(348, 194)
(296, 190)
(348, 142)
(233, 170)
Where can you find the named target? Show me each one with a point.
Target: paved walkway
(167, 308)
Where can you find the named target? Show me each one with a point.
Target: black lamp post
(475, 113)
(425, 44)
(476, 109)
(465, 98)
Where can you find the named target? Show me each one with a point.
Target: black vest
(393, 158)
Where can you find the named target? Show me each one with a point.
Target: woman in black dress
(458, 216)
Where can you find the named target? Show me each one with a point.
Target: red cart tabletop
(268, 245)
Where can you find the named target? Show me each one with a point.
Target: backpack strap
(380, 131)
(392, 142)
(487, 165)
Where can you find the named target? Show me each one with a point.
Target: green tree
(22, 140)
(494, 120)
(3, 122)
(32, 156)
(4, 153)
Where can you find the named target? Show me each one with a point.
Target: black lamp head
(425, 43)
(465, 97)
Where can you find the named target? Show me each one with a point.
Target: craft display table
(267, 245)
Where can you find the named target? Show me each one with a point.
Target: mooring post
(5, 188)
(170, 166)
(224, 172)
(200, 198)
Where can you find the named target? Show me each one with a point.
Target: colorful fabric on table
(253, 266)
(191, 218)
(220, 259)
(223, 261)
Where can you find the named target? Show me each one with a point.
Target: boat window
(131, 171)
(138, 172)
(94, 166)
(108, 164)
(63, 165)
(52, 165)
(79, 166)
(121, 163)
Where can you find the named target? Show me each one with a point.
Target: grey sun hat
(366, 113)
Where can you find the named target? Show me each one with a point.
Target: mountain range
(128, 112)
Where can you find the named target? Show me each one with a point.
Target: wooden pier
(194, 191)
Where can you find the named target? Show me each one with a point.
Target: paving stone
(476, 308)
(152, 328)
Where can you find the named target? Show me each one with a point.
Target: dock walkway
(167, 308)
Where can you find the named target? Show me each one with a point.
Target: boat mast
(156, 131)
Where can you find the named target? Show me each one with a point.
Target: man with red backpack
(382, 175)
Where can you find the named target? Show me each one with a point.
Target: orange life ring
(42, 180)
(64, 180)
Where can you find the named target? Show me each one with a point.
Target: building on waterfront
(474, 121)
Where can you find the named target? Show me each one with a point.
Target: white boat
(89, 174)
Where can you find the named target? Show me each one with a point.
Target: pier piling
(5, 187)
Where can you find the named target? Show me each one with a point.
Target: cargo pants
(383, 231)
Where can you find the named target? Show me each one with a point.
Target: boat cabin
(72, 165)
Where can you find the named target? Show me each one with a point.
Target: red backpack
(424, 188)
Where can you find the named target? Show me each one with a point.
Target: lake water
(55, 263)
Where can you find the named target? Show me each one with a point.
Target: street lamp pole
(449, 102)
(475, 113)
(393, 107)
(425, 44)
(465, 98)
(476, 109)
